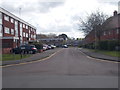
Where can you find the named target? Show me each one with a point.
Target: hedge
(104, 45)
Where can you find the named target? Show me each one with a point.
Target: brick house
(14, 31)
(110, 30)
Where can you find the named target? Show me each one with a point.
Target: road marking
(33, 61)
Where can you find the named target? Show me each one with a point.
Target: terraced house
(14, 31)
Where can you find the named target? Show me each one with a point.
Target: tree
(93, 21)
(64, 36)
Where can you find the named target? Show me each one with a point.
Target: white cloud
(59, 16)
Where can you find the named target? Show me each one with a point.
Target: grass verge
(9, 57)
(109, 53)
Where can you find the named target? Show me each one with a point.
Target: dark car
(25, 49)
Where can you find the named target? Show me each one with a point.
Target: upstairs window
(23, 25)
(20, 25)
(12, 20)
(6, 17)
(26, 27)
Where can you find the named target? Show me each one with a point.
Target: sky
(58, 16)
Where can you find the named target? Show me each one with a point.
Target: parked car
(49, 47)
(44, 47)
(25, 49)
(65, 46)
(53, 46)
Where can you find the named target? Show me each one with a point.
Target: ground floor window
(12, 31)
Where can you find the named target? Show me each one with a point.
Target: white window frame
(24, 34)
(16, 22)
(26, 27)
(20, 25)
(11, 20)
(23, 25)
(7, 30)
(12, 31)
(6, 17)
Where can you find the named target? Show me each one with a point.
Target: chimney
(115, 13)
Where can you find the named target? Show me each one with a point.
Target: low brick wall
(6, 50)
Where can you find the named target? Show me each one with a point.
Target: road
(68, 68)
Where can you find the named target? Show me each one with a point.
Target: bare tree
(93, 21)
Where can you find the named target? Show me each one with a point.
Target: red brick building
(14, 31)
(110, 30)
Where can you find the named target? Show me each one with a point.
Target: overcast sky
(57, 16)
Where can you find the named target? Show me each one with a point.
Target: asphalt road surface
(68, 68)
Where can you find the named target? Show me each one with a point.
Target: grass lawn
(8, 57)
(110, 53)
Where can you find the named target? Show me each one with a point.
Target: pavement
(99, 55)
(34, 57)
(68, 68)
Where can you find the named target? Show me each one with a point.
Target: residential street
(68, 68)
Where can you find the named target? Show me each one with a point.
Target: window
(16, 28)
(20, 25)
(23, 25)
(0, 30)
(31, 29)
(26, 27)
(21, 29)
(7, 30)
(24, 34)
(34, 36)
(104, 33)
(12, 20)
(0, 18)
(117, 31)
(16, 22)
(12, 31)
(6, 17)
